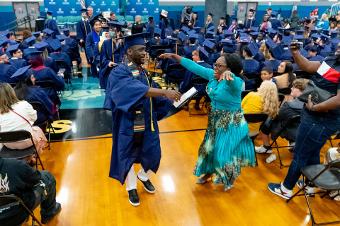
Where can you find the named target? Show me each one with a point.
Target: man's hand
(294, 47)
(111, 64)
(173, 95)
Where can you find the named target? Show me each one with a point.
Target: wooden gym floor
(90, 198)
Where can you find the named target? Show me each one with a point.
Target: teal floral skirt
(226, 147)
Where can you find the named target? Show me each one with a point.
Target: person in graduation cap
(274, 52)
(44, 74)
(324, 49)
(313, 54)
(72, 49)
(250, 66)
(61, 58)
(276, 23)
(42, 47)
(6, 69)
(91, 46)
(16, 56)
(112, 52)
(226, 147)
(136, 106)
(50, 23)
(83, 28)
(188, 49)
(25, 89)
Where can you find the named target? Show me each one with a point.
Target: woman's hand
(227, 75)
(166, 56)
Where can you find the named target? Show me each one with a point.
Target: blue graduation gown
(125, 93)
(325, 50)
(49, 62)
(52, 24)
(316, 58)
(18, 63)
(43, 73)
(273, 64)
(92, 51)
(72, 49)
(60, 56)
(188, 50)
(6, 71)
(37, 94)
(110, 52)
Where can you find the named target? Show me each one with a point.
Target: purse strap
(21, 117)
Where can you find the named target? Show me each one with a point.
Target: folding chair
(45, 126)
(255, 118)
(199, 82)
(293, 121)
(326, 177)
(8, 203)
(14, 136)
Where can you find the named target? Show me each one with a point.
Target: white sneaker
(262, 150)
(271, 158)
(309, 190)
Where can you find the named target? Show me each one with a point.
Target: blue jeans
(312, 134)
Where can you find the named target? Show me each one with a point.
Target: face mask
(112, 34)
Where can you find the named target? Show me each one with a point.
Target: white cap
(164, 13)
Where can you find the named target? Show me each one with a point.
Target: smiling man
(136, 106)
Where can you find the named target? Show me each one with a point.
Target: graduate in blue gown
(50, 23)
(16, 56)
(112, 52)
(72, 49)
(136, 107)
(26, 90)
(6, 69)
(91, 45)
(62, 59)
(250, 66)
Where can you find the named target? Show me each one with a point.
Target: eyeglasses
(219, 65)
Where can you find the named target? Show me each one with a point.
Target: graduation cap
(36, 34)
(181, 36)
(41, 45)
(254, 49)
(95, 19)
(3, 41)
(286, 40)
(61, 37)
(314, 31)
(254, 34)
(13, 48)
(21, 73)
(210, 34)
(49, 13)
(198, 29)
(211, 28)
(193, 36)
(203, 53)
(133, 40)
(299, 32)
(30, 40)
(209, 44)
(313, 48)
(191, 32)
(31, 51)
(270, 43)
(299, 37)
(116, 24)
(254, 28)
(228, 33)
(228, 46)
(277, 51)
(55, 44)
(315, 36)
(324, 37)
(48, 31)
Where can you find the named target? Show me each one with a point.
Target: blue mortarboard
(270, 43)
(274, 14)
(210, 33)
(203, 52)
(13, 48)
(255, 33)
(48, 31)
(209, 44)
(315, 36)
(324, 37)
(254, 49)
(12, 42)
(193, 36)
(36, 34)
(158, 31)
(191, 32)
(299, 32)
(313, 31)
(254, 28)
(21, 73)
(197, 29)
(227, 42)
(55, 44)
(182, 36)
(133, 40)
(41, 45)
(30, 40)
(185, 29)
(61, 37)
(313, 48)
(272, 31)
(3, 41)
(277, 51)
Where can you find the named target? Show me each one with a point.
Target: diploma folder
(185, 97)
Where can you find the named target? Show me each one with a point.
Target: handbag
(318, 95)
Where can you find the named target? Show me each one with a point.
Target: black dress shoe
(133, 197)
(53, 213)
(148, 186)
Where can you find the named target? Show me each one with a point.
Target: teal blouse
(224, 95)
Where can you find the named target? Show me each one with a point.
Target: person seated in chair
(286, 76)
(6, 69)
(287, 111)
(250, 66)
(34, 187)
(265, 100)
(19, 115)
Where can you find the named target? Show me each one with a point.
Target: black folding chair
(12, 204)
(294, 121)
(15, 136)
(326, 177)
(175, 74)
(244, 93)
(255, 118)
(45, 126)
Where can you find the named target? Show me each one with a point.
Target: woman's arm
(190, 65)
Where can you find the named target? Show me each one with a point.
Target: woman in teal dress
(226, 147)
